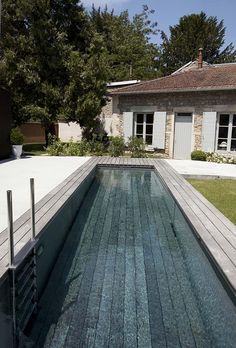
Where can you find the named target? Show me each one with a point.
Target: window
(226, 130)
(144, 127)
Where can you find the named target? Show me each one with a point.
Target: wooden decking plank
(22, 234)
(121, 161)
(218, 254)
(217, 218)
(26, 216)
(231, 227)
(216, 232)
(129, 161)
(21, 222)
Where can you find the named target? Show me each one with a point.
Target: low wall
(34, 133)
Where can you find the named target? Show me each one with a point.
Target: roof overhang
(176, 90)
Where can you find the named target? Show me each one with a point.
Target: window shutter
(159, 130)
(208, 131)
(128, 125)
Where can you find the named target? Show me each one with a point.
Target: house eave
(176, 90)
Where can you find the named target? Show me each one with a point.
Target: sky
(168, 12)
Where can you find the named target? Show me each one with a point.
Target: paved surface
(48, 173)
(189, 167)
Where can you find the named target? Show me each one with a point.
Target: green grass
(221, 193)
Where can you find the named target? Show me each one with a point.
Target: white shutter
(208, 131)
(128, 125)
(159, 130)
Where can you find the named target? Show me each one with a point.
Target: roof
(210, 77)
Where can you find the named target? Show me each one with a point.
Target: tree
(131, 55)
(42, 43)
(191, 33)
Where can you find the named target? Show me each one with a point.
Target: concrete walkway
(15, 175)
(200, 168)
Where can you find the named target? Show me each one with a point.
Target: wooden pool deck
(215, 231)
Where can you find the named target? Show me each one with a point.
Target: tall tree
(191, 33)
(42, 42)
(131, 54)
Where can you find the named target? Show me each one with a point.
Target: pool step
(24, 292)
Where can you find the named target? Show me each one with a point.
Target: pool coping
(213, 230)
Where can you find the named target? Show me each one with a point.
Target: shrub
(83, 147)
(71, 148)
(116, 147)
(218, 158)
(198, 155)
(96, 147)
(137, 147)
(16, 136)
(56, 148)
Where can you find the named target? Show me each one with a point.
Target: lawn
(221, 193)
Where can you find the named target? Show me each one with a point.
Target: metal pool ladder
(23, 273)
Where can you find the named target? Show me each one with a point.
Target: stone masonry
(194, 102)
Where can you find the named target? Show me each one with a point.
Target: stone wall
(169, 101)
(111, 118)
(194, 102)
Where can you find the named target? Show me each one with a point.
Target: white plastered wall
(66, 131)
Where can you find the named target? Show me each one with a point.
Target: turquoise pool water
(132, 274)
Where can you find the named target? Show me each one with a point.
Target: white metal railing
(11, 253)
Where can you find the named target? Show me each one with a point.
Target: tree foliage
(51, 62)
(131, 55)
(191, 33)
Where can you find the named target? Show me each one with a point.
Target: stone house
(192, 109)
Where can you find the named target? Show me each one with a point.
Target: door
(183, 136)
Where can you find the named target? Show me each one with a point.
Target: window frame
(144, 124)
(230, 132)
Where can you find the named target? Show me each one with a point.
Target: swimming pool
(132, 274)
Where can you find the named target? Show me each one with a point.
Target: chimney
(200, 58)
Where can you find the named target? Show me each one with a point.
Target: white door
(183, 136)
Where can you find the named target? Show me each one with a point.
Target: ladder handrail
(32, 201)
(10, 229)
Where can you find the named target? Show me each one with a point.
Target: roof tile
(210, 77)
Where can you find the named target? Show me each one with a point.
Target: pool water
(132, 274)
